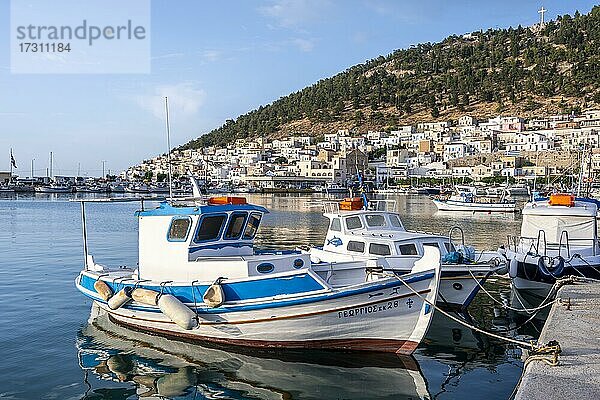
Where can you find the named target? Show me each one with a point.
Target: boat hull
(458, 289)
(474, 207)
(42, 189)
(382, 316)
(535, 283)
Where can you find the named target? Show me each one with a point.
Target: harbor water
(49, 350)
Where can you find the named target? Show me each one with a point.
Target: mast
(51, 174)
(589, 175)
(581, 166)
(169, 147)
(11, 167)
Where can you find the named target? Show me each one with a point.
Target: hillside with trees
(529, 71)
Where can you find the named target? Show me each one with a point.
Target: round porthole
(298, 263)
(457, 286)
(456, 335)
(265, 268)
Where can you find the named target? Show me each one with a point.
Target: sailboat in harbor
(53, 186)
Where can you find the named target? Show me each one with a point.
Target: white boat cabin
(205, 242)
(369, 234)
(560, 226)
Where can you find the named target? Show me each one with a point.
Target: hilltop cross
(541, 12)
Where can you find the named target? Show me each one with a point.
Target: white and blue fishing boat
(199, 278)
(361, 230)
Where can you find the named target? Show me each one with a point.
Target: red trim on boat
(380, 345)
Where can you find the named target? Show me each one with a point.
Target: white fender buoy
(512, 270)
(177, 311)
(120, 365)
(214, 296)
(145, 296)
(103, 289)
(120, 298)
(175, 384)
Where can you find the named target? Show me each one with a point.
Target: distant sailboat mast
(169, 147)
(11, 167)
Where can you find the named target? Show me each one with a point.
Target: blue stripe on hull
(246, 290)
(184, 292)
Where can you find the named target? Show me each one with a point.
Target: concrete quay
(575, 323)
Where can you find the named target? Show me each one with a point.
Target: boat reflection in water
(454, 356)
(120, 363)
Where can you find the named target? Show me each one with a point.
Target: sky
(215, 61)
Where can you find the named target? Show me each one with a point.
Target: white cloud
(304, 44)
(294, 13)
(185, 99)
(211, 55)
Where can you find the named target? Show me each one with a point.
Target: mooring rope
(587, 263)
(524, 309)
(532, 346)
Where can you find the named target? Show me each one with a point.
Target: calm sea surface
(48, 350)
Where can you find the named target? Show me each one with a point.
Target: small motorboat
(116, 188)
(332, 188)
(53, 188)
(199, 278)
(558, 238)
(467, 200)
(374, 231)
(141, 188)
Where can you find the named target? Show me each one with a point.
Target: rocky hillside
(525, 71)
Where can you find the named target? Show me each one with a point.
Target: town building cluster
(505, 146)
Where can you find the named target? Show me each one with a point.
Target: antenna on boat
(169, 147)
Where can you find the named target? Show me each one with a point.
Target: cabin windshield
(395, 221)
(375, 220)
(210, 227)
(252, 226)
(353, 223)
(236, 225)
(336, 225)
